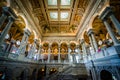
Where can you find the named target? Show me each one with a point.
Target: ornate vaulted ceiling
(59, 16)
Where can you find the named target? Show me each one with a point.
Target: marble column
(31, 52)
(49, 54)
(104, 16)
(39, 52)
(22, 48)
(12, 16)
(3, 18)
(109, 14)
(7, 28)
(6, 11)
(82, 42)
(69, 54)
(115, 22)
(59, 59)
(5, 31)
(79, 52)
(93, 40)
(111, 33)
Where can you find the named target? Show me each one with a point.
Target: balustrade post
(5, 14)
(5, 31)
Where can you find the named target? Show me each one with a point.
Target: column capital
(106, 13)
(35, 41)
(26, 31)
(9, 11)
(90, 31)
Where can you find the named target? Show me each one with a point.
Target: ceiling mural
(59, 16)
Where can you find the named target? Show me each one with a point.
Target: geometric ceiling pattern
(58, 11)
(59, 16)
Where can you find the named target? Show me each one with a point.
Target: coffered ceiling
(59, 17)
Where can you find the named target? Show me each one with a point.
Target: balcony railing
(103, 53)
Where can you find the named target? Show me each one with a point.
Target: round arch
(54, 50)
(99, 28)
(25, 20)
(86, 37)
(63, 50)
(105, 75)
(91, 21)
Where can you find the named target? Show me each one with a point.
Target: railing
(14, 56)
(105, 52)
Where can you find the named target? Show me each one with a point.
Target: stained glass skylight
(52, 2)
(64, 15)
(53, 15)
(65, 2)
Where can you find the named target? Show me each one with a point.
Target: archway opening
(105, 75)
(54, 49)
(63, 51)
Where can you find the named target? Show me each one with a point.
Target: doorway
(105, 75)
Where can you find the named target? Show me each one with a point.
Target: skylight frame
(65, 2)
(52, 2)
(66, 17)
(53, 15)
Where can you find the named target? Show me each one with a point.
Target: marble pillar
(6, 11)
(108, 13)
(59, 58)
(39, 52)
(5, 31)
(3, 18)
(82, 42)
(49, 54)
(69, 50)
(111, 33)
(22, 48)
(7, 28)
(31, 52)
(79, 52)
(104, 17)
(93, 40)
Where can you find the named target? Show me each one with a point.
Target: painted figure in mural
(46, 29)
